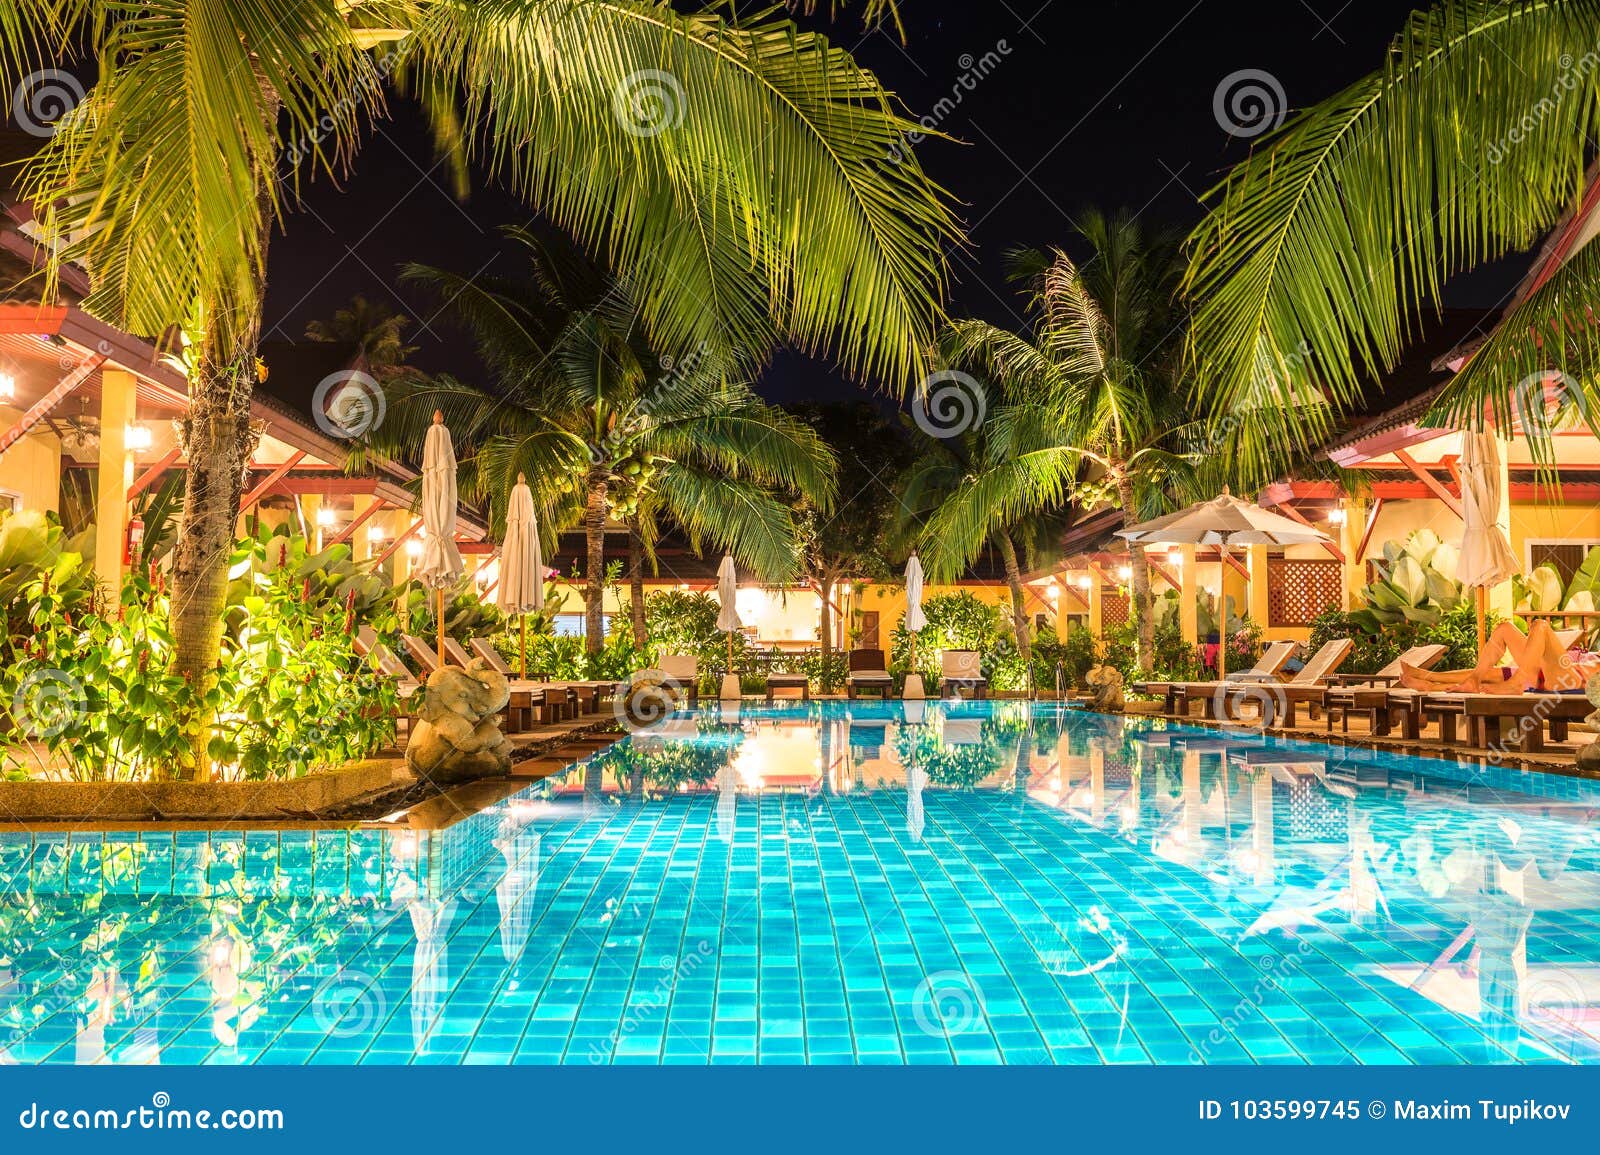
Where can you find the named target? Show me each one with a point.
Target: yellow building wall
(32, 467)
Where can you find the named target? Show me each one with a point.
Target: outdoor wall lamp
(8, 387)
(325, 516)
(1175, 557)
(137, 437)
(1336, 516)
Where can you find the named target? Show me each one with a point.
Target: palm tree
(377, 333)
(943, 466)
(1324, 248)
(605, 429)
(730, 169)
(1091, 405)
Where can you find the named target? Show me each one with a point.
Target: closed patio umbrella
(440, 565)
(1224, 521)
(915, 622)
(728, 620)
(521, 564)
(1486, 558)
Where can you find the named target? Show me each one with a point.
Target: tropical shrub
(1456, 629)
(94, 696)
(961, 621)
(1418, 583)
(1079, 652)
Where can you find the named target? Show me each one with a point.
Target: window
(10, 502)
(1564, 555)
(571, 625)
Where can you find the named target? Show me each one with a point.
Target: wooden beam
(1372, 524)
(1291, 512)
(349, 531)
(148, 477)
(42, 407)
(1433, 483)
(32, 318)
(398, 542)
(273, 478)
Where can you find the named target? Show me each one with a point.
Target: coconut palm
(1091, 409)
(607, 430)
(375, 331)
(731, 169)
(1323, 250)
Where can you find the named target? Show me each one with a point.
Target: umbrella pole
(524, 647)
(1482, 599)
(730, 652)
(1222, 618)
(441, 627)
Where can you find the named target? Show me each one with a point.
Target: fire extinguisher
(132, 539)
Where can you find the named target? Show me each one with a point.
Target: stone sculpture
(457, 736)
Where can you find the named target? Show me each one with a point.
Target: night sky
(1109, 104)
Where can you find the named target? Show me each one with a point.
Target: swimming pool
(837, 883)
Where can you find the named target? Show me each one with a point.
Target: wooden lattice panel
(1298, 590)
(1113, 609)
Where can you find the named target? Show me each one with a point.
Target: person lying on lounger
(1540, 661)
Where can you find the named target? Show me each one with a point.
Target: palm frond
(1321, 250)
(721, 167)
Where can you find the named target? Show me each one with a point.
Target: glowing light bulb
(137, 437)
(8, 387)
(325, 516)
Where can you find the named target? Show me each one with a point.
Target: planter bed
(101, 802)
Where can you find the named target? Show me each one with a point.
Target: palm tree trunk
(218, 444)
(594, 592)
(825, 592)
(1143, 607)
(1019, 612)
(641, 635)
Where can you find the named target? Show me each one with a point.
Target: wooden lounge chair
(683, 669)
(958, 668)
(1310, 682)
(868, 671)
(368, 646)
(1368, 694)
(788, 681)
(1487, 715)
(1268, 668)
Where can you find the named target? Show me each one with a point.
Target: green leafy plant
(1418, 585)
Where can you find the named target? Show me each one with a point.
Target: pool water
(839, 883)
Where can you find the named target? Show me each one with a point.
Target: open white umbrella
(1224, 521)
(915, 622)
(1486, 558)
(440, 565)
(521, 564)
(728, 619)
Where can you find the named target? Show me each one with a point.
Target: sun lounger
(368, 646)
(1369, 694)
(683, 669)
(868, 671)
(1268, 668)
(958, 668)
(1310, 682)
(1488, 716)
(790, 681)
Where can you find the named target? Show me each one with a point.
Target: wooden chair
(958, 668)
(868, 671)
(1369, 694)
(683, 669)
(1268, 668)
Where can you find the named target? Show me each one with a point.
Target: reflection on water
(1095, 888)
